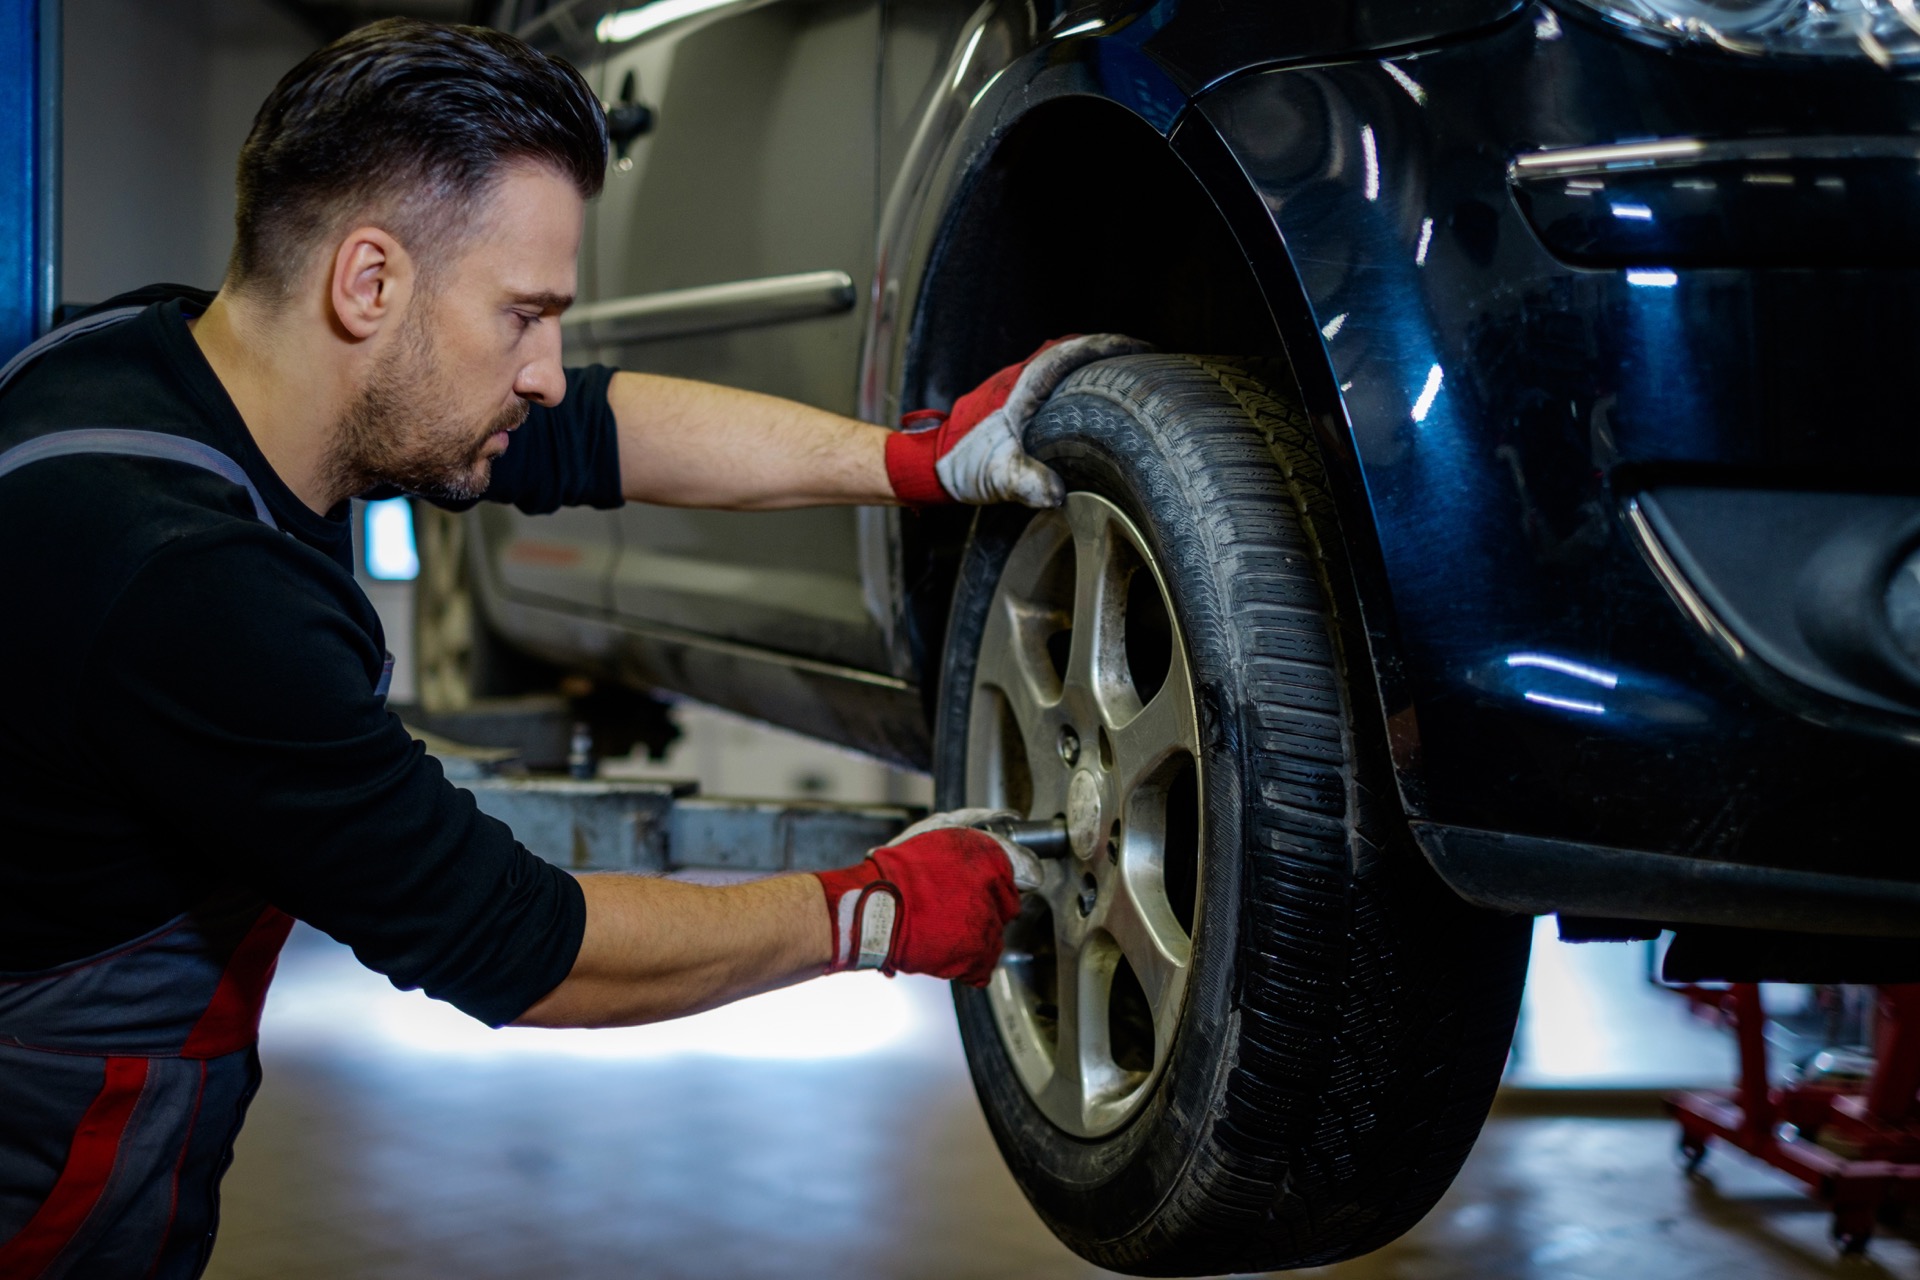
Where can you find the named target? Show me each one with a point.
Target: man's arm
(657, 949)
(696, 444)
(935, 901)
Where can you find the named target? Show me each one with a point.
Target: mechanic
(195, 750)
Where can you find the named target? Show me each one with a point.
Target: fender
(1001, 78)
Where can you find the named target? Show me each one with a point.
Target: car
(1517, 516)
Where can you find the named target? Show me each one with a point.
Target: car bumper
(1519, 390)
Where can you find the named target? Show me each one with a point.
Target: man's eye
(525, 319)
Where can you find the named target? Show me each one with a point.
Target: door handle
(626, 120)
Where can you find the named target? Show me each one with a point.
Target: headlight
(1887, 31)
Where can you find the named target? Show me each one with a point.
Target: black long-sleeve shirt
(186, 695)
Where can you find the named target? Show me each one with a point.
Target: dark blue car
(1520, 518)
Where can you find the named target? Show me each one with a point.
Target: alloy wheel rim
(1082, 708)
(443, 613)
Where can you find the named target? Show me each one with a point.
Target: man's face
(476, 347)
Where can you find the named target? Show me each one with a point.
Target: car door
(564, 560)
(733, 245)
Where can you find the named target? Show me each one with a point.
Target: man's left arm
(695, 444)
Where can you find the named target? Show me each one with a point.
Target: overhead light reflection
(1407, 82)
(1653, 279)
(966, 56)
(1370, 154)
(1333, 326)
(1426, 239)
(631, 24)
(1080, 30)
(1424, 405)
(1566, 667)
(1566, 704)
(1632, 212)
(1612, 155)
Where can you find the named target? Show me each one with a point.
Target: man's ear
(371, 283)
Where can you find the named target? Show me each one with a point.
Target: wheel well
(1083, 220)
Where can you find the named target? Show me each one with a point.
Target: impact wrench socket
(1042, 837)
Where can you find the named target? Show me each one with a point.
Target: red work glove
(974, 454)
(936, 901)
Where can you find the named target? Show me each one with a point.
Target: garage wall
(159, 95)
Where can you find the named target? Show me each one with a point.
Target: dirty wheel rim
(1083, 708)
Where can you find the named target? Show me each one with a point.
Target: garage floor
(831, 1131)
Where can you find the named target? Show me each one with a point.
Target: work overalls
(124, 1076)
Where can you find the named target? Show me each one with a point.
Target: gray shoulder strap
(118, 441)
(53, 338)
(127, 443)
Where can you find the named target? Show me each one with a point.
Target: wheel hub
(1083, 708)
(1083, 813)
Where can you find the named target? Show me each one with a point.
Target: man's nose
(542, 380)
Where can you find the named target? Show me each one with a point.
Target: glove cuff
(863, 911)
(911, 458)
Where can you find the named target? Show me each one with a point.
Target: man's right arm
(656, 949)
(935, 901)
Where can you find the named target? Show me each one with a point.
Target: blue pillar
(29, 169)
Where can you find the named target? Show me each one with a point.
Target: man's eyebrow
(545, 299)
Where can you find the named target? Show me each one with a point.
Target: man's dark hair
(405, 124)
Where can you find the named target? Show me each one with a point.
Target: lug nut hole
(1069, 746)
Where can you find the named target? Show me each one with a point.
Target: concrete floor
(831, 1131)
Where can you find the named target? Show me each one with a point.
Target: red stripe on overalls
(96, 1143)
(232, 1019)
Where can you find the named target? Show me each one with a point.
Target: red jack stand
(1857, 1151)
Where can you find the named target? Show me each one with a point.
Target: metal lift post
(29, 169)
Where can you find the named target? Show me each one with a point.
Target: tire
(474, 686)
(458, 660)
(1314, 1078)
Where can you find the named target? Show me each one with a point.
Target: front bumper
(1509, 399)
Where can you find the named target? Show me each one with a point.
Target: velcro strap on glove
(865, 909)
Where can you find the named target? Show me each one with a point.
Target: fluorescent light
(1333, 326)
(1424, 404)
(1633, 212)
(630, 24)
(1370, 154)
(1426, 239)
(1659, 278)
(391, 553)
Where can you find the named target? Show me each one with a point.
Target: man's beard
(399, 432)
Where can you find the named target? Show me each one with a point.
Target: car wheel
(445, 619)
(458, 660)
(1242, 1026)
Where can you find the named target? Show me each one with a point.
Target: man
(195, 748)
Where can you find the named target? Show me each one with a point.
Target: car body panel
(1503, 404)
(1494, 375)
